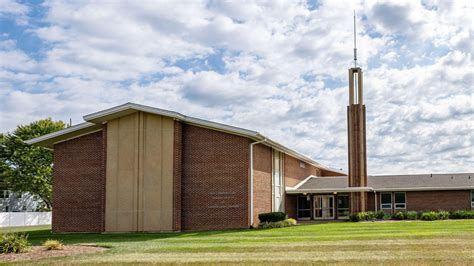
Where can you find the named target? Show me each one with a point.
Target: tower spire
(356, 135)
(355, 41)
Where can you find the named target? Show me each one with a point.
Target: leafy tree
(28, 168)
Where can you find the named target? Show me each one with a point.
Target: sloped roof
(419, 182)
(95, 120)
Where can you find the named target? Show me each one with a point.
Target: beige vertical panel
(111, 181)
(139, 186)
(167, 175)
(122, 173)
(152, 173)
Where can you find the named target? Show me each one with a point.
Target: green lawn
(439, 242)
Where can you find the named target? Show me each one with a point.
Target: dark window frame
(382, 207)
(397, 204)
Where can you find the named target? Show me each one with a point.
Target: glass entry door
(323, 207)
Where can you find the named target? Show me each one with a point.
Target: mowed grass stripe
(391, 243)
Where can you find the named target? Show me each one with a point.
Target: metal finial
(355, 42)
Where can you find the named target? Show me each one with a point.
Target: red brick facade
(215, 179)
(177, 174)
(439, 200)
(296, 171)
(262, 180)
(447, 200)
(79, 184)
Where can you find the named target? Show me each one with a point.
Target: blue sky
(279, 67)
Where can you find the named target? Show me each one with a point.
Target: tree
(28, 168)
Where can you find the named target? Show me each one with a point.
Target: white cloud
(276, 67)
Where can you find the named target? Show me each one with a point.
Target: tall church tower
(356, 135)
(356, 140)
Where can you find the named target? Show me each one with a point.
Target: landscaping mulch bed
(39, 252)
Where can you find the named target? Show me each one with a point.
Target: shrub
(462, 215)
(443, 215)
(365, 216)
(380, 215)
(271, 217)
(53, 244)
(429, 216)
(279, 224)
(357, 217)
(14, 243)
(290, 222)
(387, 216)
(399, 216)
(411, 215)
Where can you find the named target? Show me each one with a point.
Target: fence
(24, 218)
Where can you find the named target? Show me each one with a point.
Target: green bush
(429, 216)
(365, 216)
(387, 216)
(380, 215)
(53, 244)
(290, 222)
(399, 216)
(14, 243)
(271, 217)
(279, 224)
(461, 214)
(443, 215)
(411, 215)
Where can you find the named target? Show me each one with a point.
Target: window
(400, 200)
(386, 200)
(342, 206)
(472, 199)
(304, 207)
(277, 181)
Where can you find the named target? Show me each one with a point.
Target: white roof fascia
(60, 132)
(300, 183)
(424, 188)
(331, 190)
(134, 106)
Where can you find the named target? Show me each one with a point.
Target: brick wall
(330, 173)
(294, 173)
(177, 174)
(438, 200)
(215, 179)
(262, 180)
(449, 200)
(79, 184)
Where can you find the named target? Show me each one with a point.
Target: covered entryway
(322, 198)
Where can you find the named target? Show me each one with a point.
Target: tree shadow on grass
(37, 237)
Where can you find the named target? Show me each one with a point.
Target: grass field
(448, 242)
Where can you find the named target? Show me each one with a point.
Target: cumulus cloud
(278, 67)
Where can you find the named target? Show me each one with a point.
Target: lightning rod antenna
(355, 43)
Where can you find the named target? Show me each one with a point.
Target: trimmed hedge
(411, 215)
(366, 216)
(272, 217)
(279, 224)
(461, 214)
